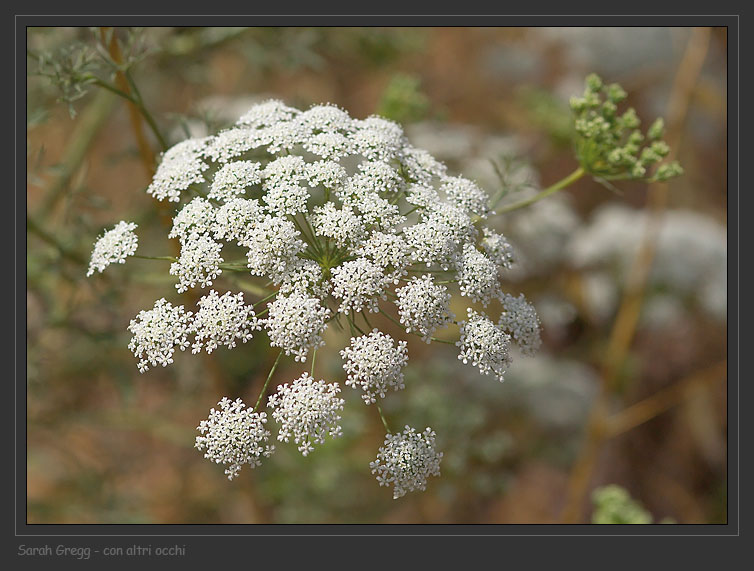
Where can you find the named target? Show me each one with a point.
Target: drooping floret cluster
(333, 221)
(114, 247)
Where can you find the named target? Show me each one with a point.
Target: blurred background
(630, 284)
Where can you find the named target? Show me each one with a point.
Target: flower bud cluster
(610, 145)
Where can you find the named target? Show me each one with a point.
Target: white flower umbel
(378, 139)
(330, 146)
(326, 119)
(222, 320)
(477, 275)
(197, 217)
(497, 247)
(421, 166)
(357, 283)
(379, 177)
(333, 213)
(157, 332)
(267, 113)
(341, 225)
(283, 192)
(234, 436)
(432, 243)
(327, 174)
(114, 247)
(182, 165)
(199, 262)
(484, 345)
(233, 143)
(236, 220)
(273, 245)
(375, 364)
(467, 195)
(233, 179)
(307, 411)
(389, 251)
(521, 321)
(304, 276)
(424, 306)
(406, 460)
(422, 195)
(295, 324)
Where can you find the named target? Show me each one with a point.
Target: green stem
(139, 105)
(273, 294)
(561, 184)
(366, 320)
(382, 416)
(165, 258)
(390, 317)
(246, 286)
(267, 382)
(314, 357)
(353, 324)
(309, 242)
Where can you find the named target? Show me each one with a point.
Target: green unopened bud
(592, 100)
(635, 138)
(577, 104)
(648, 156)
(630, 120)
(631, 148)
(668, 171)
(657, 129)
(609, 109)
(593, 82)
(638, 170)
(616, 93)
(615, 156)
(661, 148)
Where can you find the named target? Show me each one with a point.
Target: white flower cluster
(295, 324)
(357, 283)
(199, 262)
(114, 247)
(424, 306)
(234, 435)
(484, 344)
(222, 320)
(406, 460)
(375, 364)
(307, 411)
(157, 332)
(332, 215)
(521, 321)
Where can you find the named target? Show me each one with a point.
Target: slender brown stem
(145, 151)
(662, 400)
